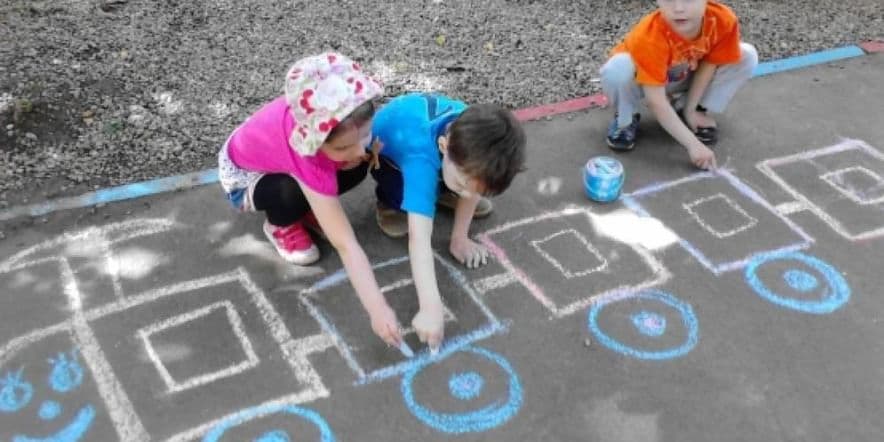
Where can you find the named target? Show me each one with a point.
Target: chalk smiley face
(66, 375)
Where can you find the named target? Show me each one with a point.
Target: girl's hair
(361, 115)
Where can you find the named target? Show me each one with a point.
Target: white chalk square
(404, 288)
(332, 303)
(174, 319)
(569, 265)
(857, 183)
(849, 192)
(727, 222)
(713, 211)
(570, 238)
(170, 324)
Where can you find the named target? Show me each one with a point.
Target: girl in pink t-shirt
(292, 159)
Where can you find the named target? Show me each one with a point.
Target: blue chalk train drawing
(66, 375)
(601, 274)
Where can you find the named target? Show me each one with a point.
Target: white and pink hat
(321, 91)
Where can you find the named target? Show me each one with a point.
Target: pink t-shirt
(260, 144)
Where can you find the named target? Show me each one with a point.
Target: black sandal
(707, 135)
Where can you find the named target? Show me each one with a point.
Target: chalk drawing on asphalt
(850, 181)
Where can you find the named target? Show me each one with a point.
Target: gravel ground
(103, 92)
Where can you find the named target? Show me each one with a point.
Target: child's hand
(429, 323)
(702, 157)
(468, 252)
(385, 325)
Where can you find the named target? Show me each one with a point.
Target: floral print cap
(321, 91)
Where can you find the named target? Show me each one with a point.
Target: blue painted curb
(803, 61)
(112, 194)
(152, 187)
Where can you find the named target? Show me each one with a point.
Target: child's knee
(748, 56)
(619, 70)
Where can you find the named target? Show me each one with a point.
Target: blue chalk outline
(74, 431)
(66, 375)
(688, 318)
(639, 321)
(9, 401)
(273, 436)
(836, 295)
(49, 410)
(466, 386)
(210, 176)
(257, 412)
(475, 421)
(800, 280)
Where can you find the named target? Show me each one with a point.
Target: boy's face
(349, 145)
(455, 178)
(684, 16)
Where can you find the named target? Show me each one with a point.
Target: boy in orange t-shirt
(686, 55)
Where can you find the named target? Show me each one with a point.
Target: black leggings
(280, 196)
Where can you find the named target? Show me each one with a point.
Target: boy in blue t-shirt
(439, 151)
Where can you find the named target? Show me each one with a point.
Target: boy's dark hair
(488, 143)
(359, 116)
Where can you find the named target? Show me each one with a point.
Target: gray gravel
(103, 92)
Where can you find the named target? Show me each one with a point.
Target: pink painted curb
(546, 110)
(873, 46)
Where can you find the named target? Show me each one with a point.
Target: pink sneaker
(293, 243)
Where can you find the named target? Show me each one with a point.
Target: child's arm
(702, 78)
(429, 323)
(465, 250)
(658, 103)
(337, 229)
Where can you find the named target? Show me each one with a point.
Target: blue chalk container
(602, 179)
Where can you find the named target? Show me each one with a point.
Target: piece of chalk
(406, 350)
(434, 351)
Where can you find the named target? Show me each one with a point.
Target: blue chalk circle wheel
(274, 435)
(798, 281)
(650, 324)
(603, 178)
(467, 387)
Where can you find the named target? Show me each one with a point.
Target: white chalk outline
(346, 351)
(494, 282)
(514, 273)
(631, 201)
(536, 243)
(239, 331)
(767, 167)
(790, 207)
(129, 426)
(120, 409)
(405, 282)
(689, 207)
(122, 413)
(836, 183)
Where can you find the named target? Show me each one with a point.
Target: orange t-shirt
(655, 46)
